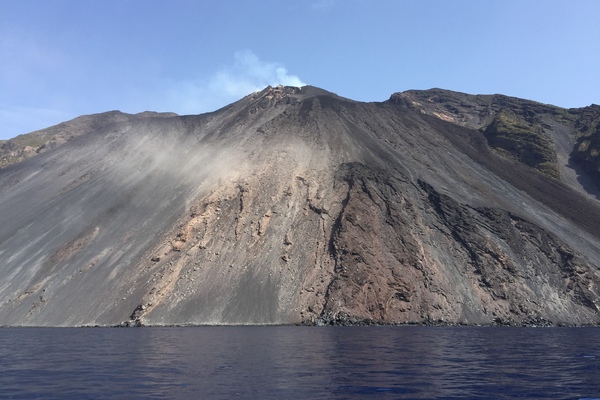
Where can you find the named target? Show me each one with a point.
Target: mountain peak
(279, 92)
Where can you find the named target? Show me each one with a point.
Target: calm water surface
(300, 363)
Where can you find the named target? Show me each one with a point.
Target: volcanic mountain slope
(561, 143)
(28, 145)
(299, 206)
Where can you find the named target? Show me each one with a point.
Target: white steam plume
(247, 74)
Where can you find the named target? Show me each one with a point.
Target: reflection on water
(300, 362)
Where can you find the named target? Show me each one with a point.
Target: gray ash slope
(299, 206)
(28, 145)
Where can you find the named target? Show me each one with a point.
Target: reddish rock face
(299, 206)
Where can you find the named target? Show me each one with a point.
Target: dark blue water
(300, 363)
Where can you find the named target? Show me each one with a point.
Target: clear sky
(64, 58)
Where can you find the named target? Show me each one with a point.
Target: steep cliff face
(586, 151)
(424, 257)
(297, 206)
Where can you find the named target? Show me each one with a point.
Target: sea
(300, 362)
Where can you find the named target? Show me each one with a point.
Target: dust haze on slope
(90, 210)
(81, 219)
(30, 144)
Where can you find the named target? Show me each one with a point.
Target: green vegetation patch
(583, 145)
(13, 150)
(564, 116)
(35, 140)
(587, 119)
(512, 135)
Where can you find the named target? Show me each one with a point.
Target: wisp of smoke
(247, 74)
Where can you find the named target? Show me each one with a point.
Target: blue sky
(64, 58)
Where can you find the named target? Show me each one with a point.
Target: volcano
(298, 206)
